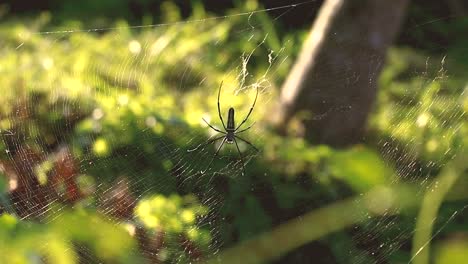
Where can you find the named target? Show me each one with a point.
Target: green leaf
(452, 252)
(360, 167)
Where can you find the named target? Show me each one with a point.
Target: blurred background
(360, 124)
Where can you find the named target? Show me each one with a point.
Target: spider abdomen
(230, 122)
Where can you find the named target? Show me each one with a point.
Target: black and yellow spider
(230, 133)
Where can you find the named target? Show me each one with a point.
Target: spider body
(230, 127)
(230, 133)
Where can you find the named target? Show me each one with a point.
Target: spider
(230, 133)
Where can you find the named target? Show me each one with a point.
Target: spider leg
(241, 158)
(251, 109)
(245, 129)
(216, 154)
(219, 108)
(212, 127)
(205, 144)
(247, 142)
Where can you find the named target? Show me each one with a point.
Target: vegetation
(95, 130)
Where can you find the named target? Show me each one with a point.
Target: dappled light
(124, 135)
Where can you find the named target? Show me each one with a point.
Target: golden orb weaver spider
(230, 131)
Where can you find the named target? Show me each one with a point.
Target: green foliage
(361, 168)
(175, 216)
(26, 242)
(426, 112)
(116, 98)
(71, 89)
(455, 251)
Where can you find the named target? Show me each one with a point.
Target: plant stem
(314, 225)
(432, 200)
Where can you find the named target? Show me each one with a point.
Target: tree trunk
(332, 86)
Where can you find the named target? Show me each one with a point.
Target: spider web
(114, 81)
(125, 115)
